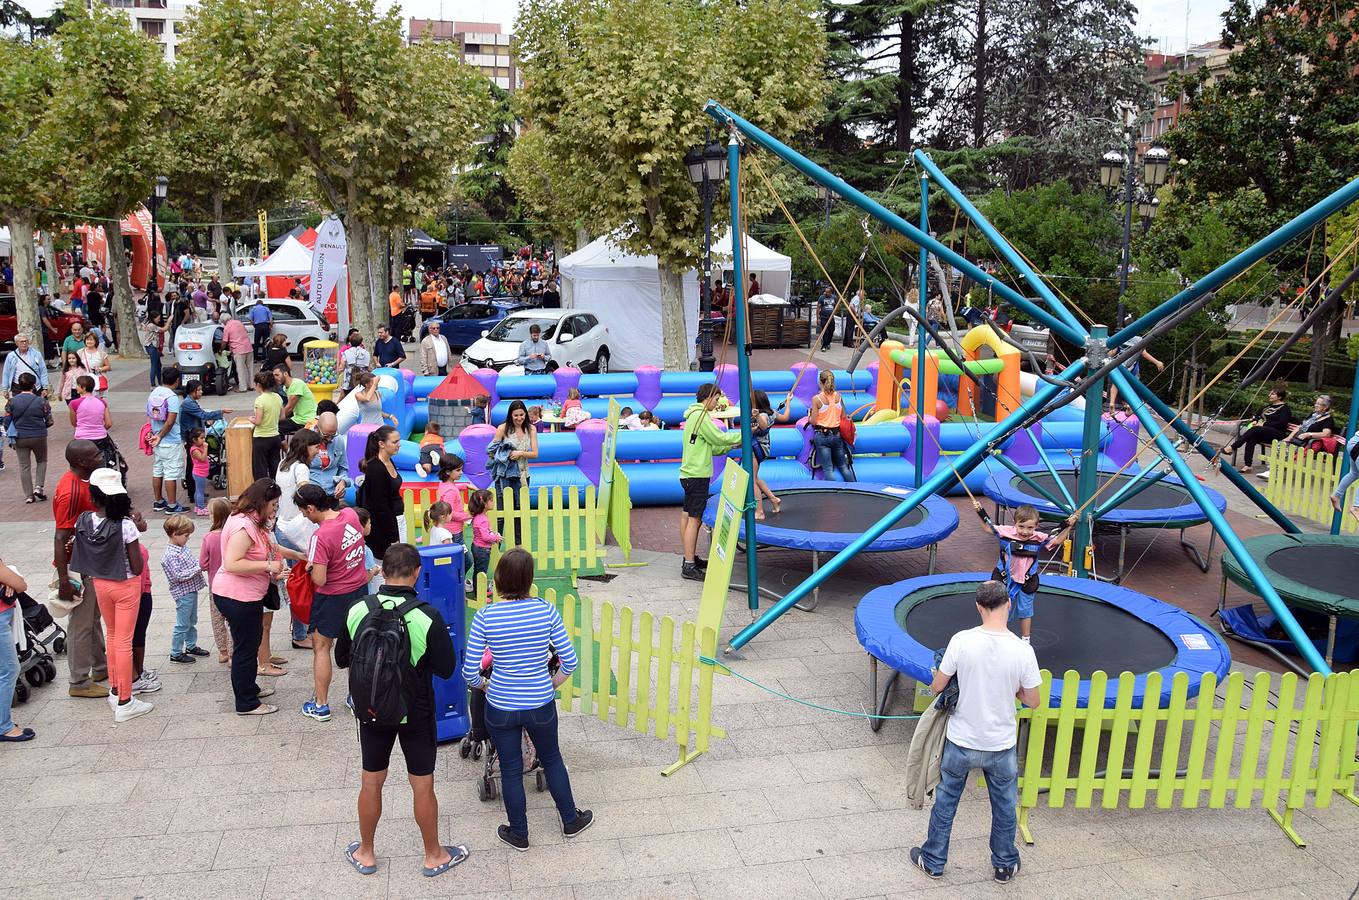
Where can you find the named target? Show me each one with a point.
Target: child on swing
(1017, 568)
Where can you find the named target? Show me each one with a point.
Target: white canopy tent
(291, 258)
(625, 292)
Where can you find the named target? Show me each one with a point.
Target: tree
(33, 173)
(111, 94)
(1279, 123)
(379, 126)
(617, 88)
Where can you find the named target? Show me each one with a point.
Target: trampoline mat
(843, 511)
(1069, 631)
(1327, 568)
(1159, 496)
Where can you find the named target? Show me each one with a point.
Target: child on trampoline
(1017, 567)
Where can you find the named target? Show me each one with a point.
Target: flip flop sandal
(358, 866)
(456, 853)
(279, 660)
(27, 734)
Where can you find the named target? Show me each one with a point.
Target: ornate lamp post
(1117, 173)
(707, 167)
(162, 187)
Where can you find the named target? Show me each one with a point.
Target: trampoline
(825, 516)
(1079, 625)
(1314, 572)
(1154, 501)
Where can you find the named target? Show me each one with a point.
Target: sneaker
(1006, 874)
(312, 711)
(349, 704)
(691, 572)
(2, 465)
(583, 820)
(197, 651)
(181, 657)
(176, 508)
(1263, 476)
(88, 689)
(145, 685)
(131, 710)
(200, 511)
(113, 700)
(918, 861)
(507, 835)
(159, 506)
(701, 563)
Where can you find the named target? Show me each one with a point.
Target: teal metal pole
(922, 338)
(1047, 464)
(893, 221)
(1038, 488)
(1087, 481)
(1242, 261)
(1229, 537)
(942, 478)
(997, 240)
(1136, 485)
(743, 372)
(1207, 451)
(1345, 454)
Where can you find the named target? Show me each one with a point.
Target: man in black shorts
(431, 655)
(702, 438)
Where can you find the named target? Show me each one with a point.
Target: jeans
(511, 483)
(154, 355)
(481, 562)
(262, 330)
(1001, 768)
(185, 633)
(505, 727)
(246, 623)
(831, 454)
(9, 668)
(200, 491)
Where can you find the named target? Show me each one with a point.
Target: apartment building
(160, 20)
(1169, 105)
(483, 45)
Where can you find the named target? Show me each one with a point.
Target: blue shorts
(329, 612)
(1021, 604)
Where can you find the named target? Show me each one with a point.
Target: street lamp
(707, 167)
(162, 187)
(1117, 172)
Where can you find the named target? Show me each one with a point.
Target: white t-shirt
(291, 523)
(440, 535)
(440, 352)
(991, 667)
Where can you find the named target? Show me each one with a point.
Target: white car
(575, 337)
(295, 319)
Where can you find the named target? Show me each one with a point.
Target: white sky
(1166, 22)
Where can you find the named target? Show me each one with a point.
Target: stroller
(113, 457)
(216, 439)
(40, 638)
(478, 741)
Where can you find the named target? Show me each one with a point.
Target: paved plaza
(193, 801)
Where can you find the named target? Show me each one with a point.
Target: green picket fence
(1246, 745)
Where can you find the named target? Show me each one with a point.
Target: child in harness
(1017, 567)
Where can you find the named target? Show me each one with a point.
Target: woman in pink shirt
(210, 560)
(242, 351)
(89, 414)
(450, 492)
(250, 563)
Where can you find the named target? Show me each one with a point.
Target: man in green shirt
(432, 656)
(75, 341)
(702, 438)
(300, 409)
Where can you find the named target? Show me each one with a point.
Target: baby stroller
(216, 440)
(40, 637)
(113, 457)
(478, 741)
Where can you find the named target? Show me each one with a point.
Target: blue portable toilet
(440, 585)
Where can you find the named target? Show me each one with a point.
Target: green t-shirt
(72, 344)
(418, 622)
(268, 406)
(305, 410)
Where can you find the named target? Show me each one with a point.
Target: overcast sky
(1167, 22)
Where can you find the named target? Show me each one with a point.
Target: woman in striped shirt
(521, 632)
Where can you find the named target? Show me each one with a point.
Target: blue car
(463, 325)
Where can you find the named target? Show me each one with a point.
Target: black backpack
(380, 663)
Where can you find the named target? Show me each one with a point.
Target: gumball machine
(321, 368)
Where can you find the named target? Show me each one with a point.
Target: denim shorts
(167, 461)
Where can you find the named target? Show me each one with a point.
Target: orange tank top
(828, 416)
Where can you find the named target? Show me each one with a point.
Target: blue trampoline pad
(1079, 625)
(1164, 503)
(827, 515)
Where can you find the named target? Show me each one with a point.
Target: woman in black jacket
(30, 415)
(1269, 426)
(380, 492)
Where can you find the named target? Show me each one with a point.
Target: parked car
(58, 324)
(295, 319)
(464, 325)
(575, 337)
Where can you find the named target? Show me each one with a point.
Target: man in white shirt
(434, 351)
(993, 667)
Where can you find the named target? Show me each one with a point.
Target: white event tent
(624, 290)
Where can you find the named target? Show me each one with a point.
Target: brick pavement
(193, 801)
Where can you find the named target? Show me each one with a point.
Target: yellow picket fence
(562, 528)
(640, 672)
(1301, 482)
(1195, 753)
